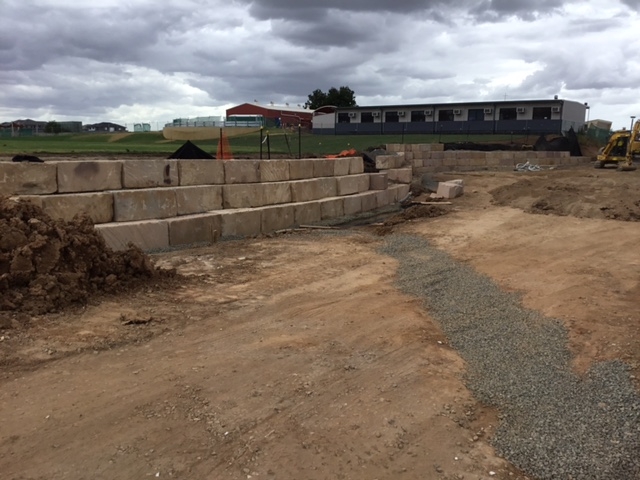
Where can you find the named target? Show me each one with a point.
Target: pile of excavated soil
(47, 264)
(615, 197)
(411, 213)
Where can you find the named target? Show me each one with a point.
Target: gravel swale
(555, 424)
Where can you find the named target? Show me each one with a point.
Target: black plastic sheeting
(189, 151)
(27, 158)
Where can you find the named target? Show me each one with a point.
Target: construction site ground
(295, 356)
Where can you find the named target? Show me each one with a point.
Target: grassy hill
(280, 143)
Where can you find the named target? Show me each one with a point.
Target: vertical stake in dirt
(286, 139)
(268, 146)
(299, 141)
(261, 140)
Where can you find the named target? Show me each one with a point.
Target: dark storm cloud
(115, 34)
(86, 59)
(317, 12)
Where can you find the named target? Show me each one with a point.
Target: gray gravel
(555, 424)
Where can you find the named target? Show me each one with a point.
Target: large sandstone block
(307, 213)
(27, 178)
(332, 208)
(314, 189)
(276, 193)
(493, 160)
(378, 181)
(150, 173)
(274, 170)
(383, 198)
(149, 235)
(400, 175)
(368, 200)
(144, 204)
(398, 192)
(434, 162)
(341, 166)
(194, 229)
(396, 147)
(241, 171)
(243, 195)
(449, 190)
(478, 159)
(386, 162)
(198, 199)
(97, 206)
(89, 176)
(323, 168)
(277, 217)
(300, 169)
(356, 165)
(241, 222)
(201, 172)
(450, 158)
(352, 205)
(352, 184)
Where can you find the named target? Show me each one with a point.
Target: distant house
(104, 127)
(141, 127)
(22, 127)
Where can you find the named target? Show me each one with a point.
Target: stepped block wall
(159, 204)
(433, 158)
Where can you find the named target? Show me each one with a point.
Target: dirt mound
(48, 264)
(411, 213)
(614, 199)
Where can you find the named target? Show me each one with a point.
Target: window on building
(541, 113)
(418, 116)
(391, 117)
(476, 115)
(366, 117)
(508, 114)
(446, 116)
(343, 117)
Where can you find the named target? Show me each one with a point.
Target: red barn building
(275, 115)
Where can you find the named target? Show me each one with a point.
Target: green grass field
(281, 144)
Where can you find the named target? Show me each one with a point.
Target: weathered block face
(148, 235)
(201, 172)
(89, 176)
(150, 173)
(301, 169)
(198, 199)
(132, 205)
(28, 178)
(241, 171)
(274, 170)
(193, 229)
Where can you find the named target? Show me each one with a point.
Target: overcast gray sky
(131, 61)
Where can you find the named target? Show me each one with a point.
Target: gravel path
(555, 424)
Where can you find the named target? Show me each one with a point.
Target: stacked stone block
(159, 204)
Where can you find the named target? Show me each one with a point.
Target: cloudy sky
(131, 61)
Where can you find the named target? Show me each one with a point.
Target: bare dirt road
(298, 357)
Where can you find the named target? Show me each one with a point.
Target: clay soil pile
(610, 195)
(46, 264)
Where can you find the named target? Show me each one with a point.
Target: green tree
(52, 127)
(338, 97)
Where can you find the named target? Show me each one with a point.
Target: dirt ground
(295, 356)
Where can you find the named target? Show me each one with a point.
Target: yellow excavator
(622, 149)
